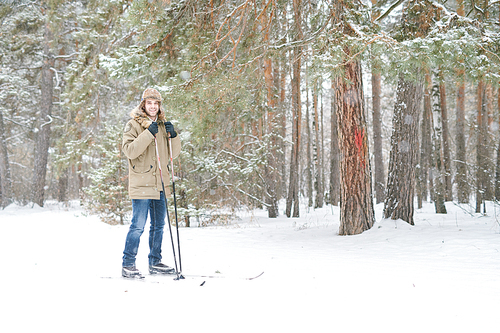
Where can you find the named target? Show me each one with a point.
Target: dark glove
(153, 128)
(169, 127)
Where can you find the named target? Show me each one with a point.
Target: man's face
(152, 108)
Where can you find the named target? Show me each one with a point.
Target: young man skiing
(148, 123)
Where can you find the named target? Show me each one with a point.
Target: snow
(443, 274)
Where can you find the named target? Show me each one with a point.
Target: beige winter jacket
(139, 146)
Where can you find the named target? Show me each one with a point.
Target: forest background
(346, 103)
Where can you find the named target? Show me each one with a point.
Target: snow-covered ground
(441, 275)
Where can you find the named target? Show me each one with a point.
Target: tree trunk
(318, 149)
(280, 82)
(321, 197)
(497, 174)
(446, 143)
(460, 159)
(270, 169)
(43, 131)
(439, 186)
(403, 157)
(378, 158)
(5, 178)
(356, 202)
(334, 192)
(280, 73)
(377, 140)
(63, 186)
(417, 19)
(488, 146)
(426, 145)
(293, 186)
(309, 163)
(479, 147)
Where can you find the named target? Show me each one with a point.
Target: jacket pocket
(142, 178)
(139, 165)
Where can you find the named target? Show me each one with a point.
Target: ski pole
(175, 203)
(166, 207)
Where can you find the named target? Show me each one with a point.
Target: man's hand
(169, 127)
(153, 128)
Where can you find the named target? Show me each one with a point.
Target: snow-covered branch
(66, 56)
(13, 121)
(48, 122)
(234, 155)
(57, 77)
(247, 194)
(388, 11)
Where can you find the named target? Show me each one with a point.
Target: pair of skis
(224, 276)
(194, 276)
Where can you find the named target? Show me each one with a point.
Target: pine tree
(293, 183)
(5, 178)
(448, 195)
(22, 37)
(424, 170)
(376, 78)
(107, 194)
(334, 190)
(356, 201)
(403, 157)
(91, 99)
(43, 132)
(460, 155)
(497, 169)
(401, 180)
(438, 156)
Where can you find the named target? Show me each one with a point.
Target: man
(145, 184)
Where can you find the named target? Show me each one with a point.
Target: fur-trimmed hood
(139, 114)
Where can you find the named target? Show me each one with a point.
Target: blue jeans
(140, 210)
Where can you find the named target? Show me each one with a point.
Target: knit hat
(152, 94)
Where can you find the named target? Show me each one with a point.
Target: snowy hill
(61, 273)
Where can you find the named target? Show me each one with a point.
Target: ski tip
(253, 278)
(136, 276)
